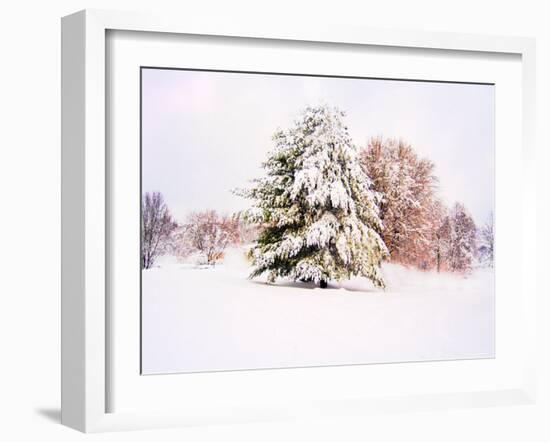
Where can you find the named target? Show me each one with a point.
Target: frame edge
(73, 81)
(83, 205)
(83, 222)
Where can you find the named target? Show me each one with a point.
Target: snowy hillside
(214, 318)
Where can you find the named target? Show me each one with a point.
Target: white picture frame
(85, 206)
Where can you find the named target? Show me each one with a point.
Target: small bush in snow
(207, 233)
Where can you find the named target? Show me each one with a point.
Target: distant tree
(443, 244)
(209, 234)
(248, 231)
(157, 227)
(487, 243)
(440, 233)
(462, 242)
(406, 184)
(315, 203)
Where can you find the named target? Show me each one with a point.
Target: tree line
(204, 233)
(419, 229)
(327, 210)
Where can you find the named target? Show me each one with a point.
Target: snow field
(215, 318)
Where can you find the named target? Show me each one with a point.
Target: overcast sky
(205, 133)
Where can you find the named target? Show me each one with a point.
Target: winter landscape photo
(302, 220)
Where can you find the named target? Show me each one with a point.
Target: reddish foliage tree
(208, 233)
(406, 185)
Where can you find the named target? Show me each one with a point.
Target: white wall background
(30, 216)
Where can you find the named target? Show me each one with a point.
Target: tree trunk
(323, 284)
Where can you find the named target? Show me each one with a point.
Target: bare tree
(248, 231)
(439, 227)
(157, 227)
(208, 233)
(487, 243)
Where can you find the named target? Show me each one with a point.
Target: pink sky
(205, 133)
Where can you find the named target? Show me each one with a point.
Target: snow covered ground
(207, 319)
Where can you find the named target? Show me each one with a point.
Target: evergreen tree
(319, 213)
(462, 244)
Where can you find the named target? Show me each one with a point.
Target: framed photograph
(263, 223)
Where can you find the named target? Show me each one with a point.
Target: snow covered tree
(318, 211)
(209, 234)
(438, 228)
(462, 244)
(441, 236)
(248, 232)
(157, 227)
(407, 185)
(487, 243)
